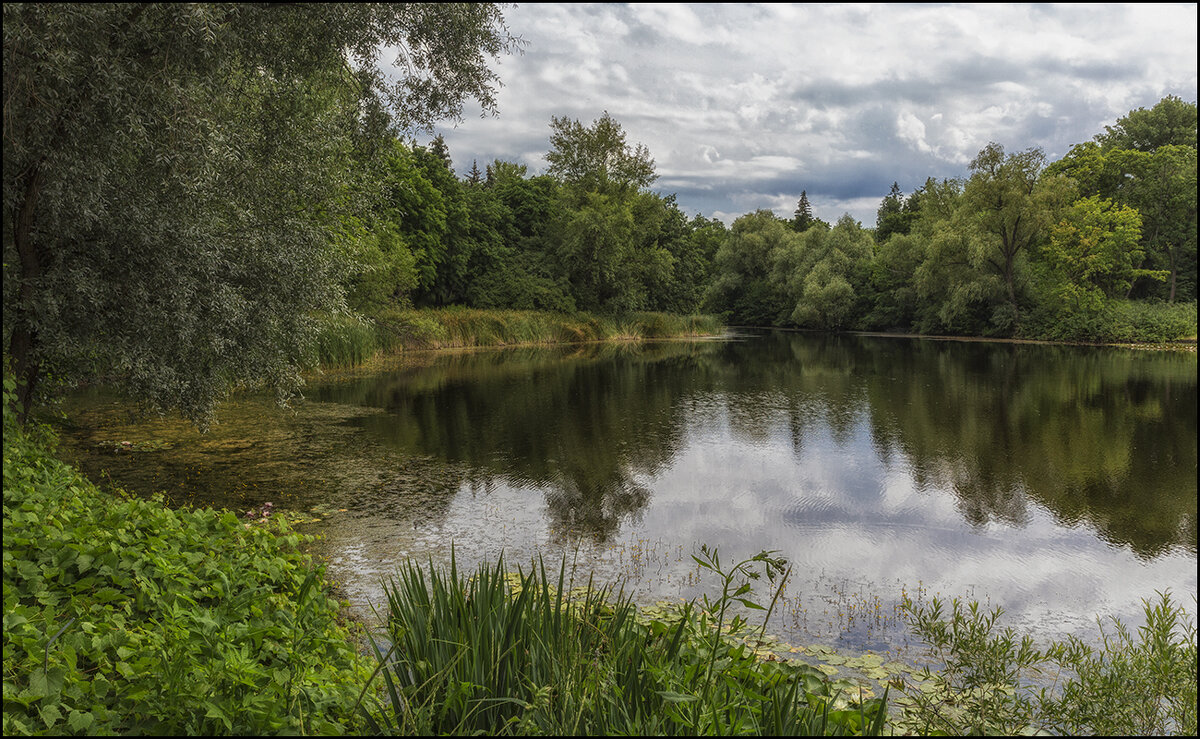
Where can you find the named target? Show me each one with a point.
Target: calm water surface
(1056, 482)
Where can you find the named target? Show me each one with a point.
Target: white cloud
(839, 100)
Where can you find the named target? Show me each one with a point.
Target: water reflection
(1097, 436)
(1056, 480)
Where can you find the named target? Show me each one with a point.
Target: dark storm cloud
(743, 106)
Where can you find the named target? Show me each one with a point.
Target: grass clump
(994, 683)
(528, 654)
(124, 616)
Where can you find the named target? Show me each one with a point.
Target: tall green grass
(497, 653)
(348, 340)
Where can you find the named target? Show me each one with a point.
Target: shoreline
(1184, 345)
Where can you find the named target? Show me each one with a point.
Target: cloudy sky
(743, 106)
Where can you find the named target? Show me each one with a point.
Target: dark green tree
(474, 177)
(802, 219)
(1009, 210)
(745, 290)
(174, 177)
(889, 219)
(441, 152)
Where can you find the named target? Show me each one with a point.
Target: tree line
(1019, 247)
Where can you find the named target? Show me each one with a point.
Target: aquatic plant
(993, 681)
(526, 653)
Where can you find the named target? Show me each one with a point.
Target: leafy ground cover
(123, 616)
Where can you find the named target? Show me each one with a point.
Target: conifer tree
(474, 177)
(803, 217)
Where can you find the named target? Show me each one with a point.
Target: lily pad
(827, 669)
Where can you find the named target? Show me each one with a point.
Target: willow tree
(175, 177)
(1010, 208)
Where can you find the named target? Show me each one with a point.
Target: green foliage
(1133, 686)
(889, 216)
(825, 274)
(1148, 162)
(122, 616)
(744, 290)
(384, 270)
(596, 158)
(1008, 210)
(1114, 321)
(175, 175)
(891, 293)
(350, 340)
(532, 654)
(1094, 252)
(1171, 122)
(596, 244)
(802, 218)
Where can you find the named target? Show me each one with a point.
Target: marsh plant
(1141, 683)
(530, 653)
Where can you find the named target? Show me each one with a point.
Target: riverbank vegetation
(349, 339)
(125, 616)
(191, 191)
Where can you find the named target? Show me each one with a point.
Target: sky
(744, 106)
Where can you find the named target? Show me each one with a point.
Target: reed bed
(350, 340)
(528, 653)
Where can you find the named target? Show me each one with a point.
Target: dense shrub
(124, 616)
(1133, 683)
(1114, 322)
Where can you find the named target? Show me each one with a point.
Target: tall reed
(499, 653)
(348, 340)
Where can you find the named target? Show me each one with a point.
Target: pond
(1056, 482)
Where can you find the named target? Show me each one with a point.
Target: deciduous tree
(174, 175)
(596, 158)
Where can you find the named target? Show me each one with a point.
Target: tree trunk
(22, 346)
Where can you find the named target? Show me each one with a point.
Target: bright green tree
(1147, 161)
(1094, 251)
(175, 176)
